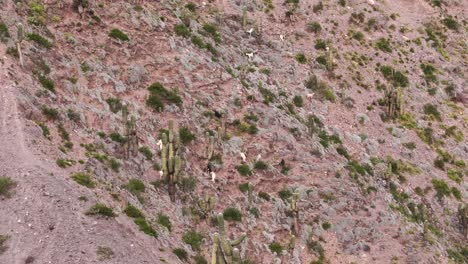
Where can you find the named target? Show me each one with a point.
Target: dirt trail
(44, 218)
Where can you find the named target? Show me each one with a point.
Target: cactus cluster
(130, 145)
(295, 210)
(209, 148)
(206, 205)
(394, 102)
(20, 37)
(463, 218)
(171, 162)
(224, 250)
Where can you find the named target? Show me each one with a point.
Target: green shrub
(180, 253)
(451, 23)
(397, 78)
(64, 163)
(429, 72)
(6, 186)
(199, 259)
(115, 104)
(441, 188)
(155, 103)
(4, 33)
(326, 225)
(276, 247)
(118, 34)
(164, 221)
(191, 6)
(431, 110)
(265, 196)
(198, 41)
(50, 113)
(40, 40)
(244, 170)
(133, 212)
(320, 44)
(186, 136)
(101, 209)
(213, 31)
(343, 152)
(160, 95)
(255, 212)
(83, 179)
(114, 165)
(232, 214)
(301, 58)
(104, 253)
(45, 129)
(268, 96)
(384, 45)
(3, 239)
(317, 8)
(314, 27)
(134, 186)
(146, 152)
(47, 83)
(145, 227)
(455, 175)
(456, 193)
(260, 165)
(298, 101)
(182, 30)
(115, 136)
(244, 187)
(194, 239)
(285, 194)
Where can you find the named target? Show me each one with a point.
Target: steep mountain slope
(355, 111)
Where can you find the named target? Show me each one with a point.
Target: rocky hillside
(233, 131)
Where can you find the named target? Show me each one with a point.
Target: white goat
(161, 173)
(250, 31)
(259, 157)
(244, 158)
(213, 176)
(310, 96)
(160, 144)
(282, 37)
(250, 55)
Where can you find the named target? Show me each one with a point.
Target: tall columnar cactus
(20, 36)
(171, 162)
(244, 18)
(250, 194)
(295, 210)
(209, 148)
(463, 218)
(206, 205)
(130, 145)
(394, 102)
(224, 251)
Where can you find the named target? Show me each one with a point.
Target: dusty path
(44, 218)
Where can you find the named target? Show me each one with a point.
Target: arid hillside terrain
(233, 131)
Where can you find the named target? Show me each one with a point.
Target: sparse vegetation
(244, 170)
(6, 186)
(101, 210)
(118, 34)
(194, 239)
(40, 40)
(3, 247)
(181, 254)
(83, 179)
(164, 221)
(232, 214)
(276, 247)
